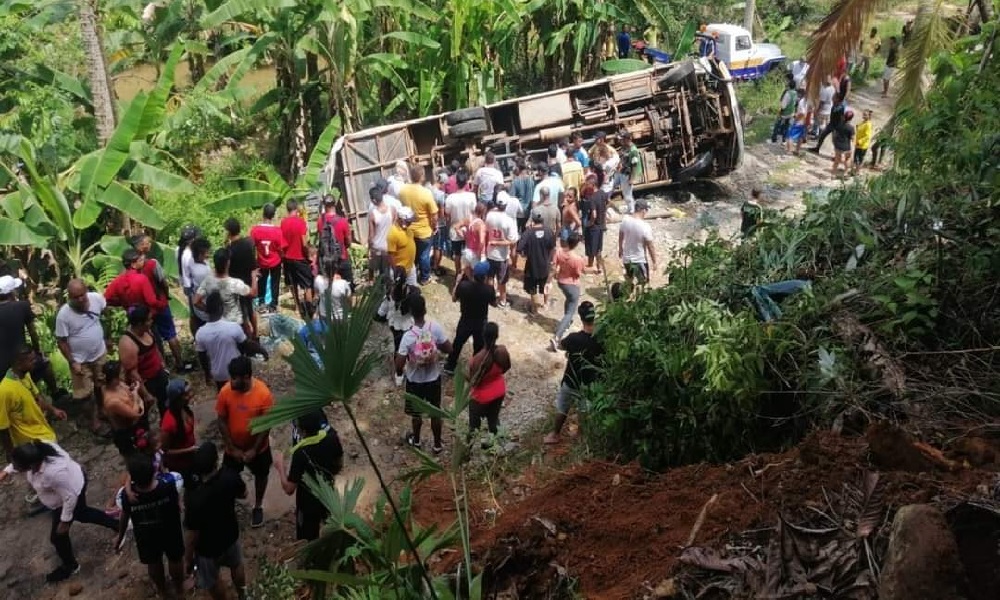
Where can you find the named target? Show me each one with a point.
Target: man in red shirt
(268, 239)
(132, 287)
(294, 244)
(341, 231)
(163, 320)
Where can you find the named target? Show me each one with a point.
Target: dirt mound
(612, 531)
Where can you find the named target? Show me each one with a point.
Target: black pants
(464, 330)
(83, 514)
(830, 127)
(489, 411)
(270, 276)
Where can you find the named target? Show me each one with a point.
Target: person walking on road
(417, 363)
(486, 381)
(569, 267)
(475, 297)
(583, 356)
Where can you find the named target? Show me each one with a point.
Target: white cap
(8, 284)
(405, 213)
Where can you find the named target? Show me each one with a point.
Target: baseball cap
(641, 205)
(8, 284)
(176, 388)
(482, 269)
(405, 213)
(587, 312)
(536, 217)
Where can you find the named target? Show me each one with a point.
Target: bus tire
(468, 129)
(701, 166)
(677, 75)
(474, 113)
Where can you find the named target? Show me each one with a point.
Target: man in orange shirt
(240, 401)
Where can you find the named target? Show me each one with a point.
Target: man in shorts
(80, 337)
(295, 262)
(635, 245)
(583, 357)
(418, 362)
(501, 235)
(154, 508)
(536, 245)
(213, 533)
(240, 401)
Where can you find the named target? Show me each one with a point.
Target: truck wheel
(468, 129)
(699, 167)
(676, 75)
(466, 114)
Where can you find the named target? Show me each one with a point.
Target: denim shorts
(567, 398)
(442, 239)
(209, 567)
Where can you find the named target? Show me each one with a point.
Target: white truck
(745, 59)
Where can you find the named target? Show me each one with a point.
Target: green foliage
(273, 582)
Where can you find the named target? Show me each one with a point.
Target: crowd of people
(179, 494)
(817, 114)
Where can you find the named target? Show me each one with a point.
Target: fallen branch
(700, 520)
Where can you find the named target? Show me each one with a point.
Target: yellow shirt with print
(20, 414)
(863, 135)
(421, 201)
(402, 249)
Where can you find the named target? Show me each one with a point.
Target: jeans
(270, 276)
(572, 302)
(626, 186)
(780, 128)
(424, 259)
(83, 514)
(465, 329)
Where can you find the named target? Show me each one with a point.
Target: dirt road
(532, 383)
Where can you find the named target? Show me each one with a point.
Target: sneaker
(553, 345)
(449, 371)
(31, 498)
(257, 517)
(62, 573)
(502, 304)
(437, 449)
(412, 441)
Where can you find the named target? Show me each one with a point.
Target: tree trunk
(97, 71)
(748, 15)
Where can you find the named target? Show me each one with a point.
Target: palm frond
(836, 36)
(931, 34)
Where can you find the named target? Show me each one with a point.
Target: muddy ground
(678, 216)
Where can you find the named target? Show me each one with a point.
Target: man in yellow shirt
(572, 173)
(862, 141)
(402, 248)
(420, 200)
(21, 405)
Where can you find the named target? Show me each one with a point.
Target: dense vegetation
(902, 314)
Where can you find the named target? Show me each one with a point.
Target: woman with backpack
(486, 378)
(417, 361)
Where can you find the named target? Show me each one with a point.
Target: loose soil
(614, 531)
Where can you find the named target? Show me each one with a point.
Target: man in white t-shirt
(80, 337)
(459, 207)
(799, 70)
(218, 342)
(501, 235)
(487, 178)
(824, 106)
(339, 289)
(418, 362)
(553, 181)
(635, 245)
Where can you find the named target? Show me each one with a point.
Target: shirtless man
(125, 411)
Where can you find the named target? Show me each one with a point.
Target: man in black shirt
(583, 358)
(891, 61)
(594, 212)
(213, 534)
(318, 454)
(536, 245)
(16, 318)
(154, 507)
(475, 299)
(242, 262)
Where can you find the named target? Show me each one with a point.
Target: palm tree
(97, 71)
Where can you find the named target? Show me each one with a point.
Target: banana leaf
(618, 66)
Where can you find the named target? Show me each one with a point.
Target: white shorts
(469, 258)
(888, 73)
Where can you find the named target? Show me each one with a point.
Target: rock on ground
(922, 562)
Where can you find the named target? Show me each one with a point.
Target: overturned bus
(683, 116)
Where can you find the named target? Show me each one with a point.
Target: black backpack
(329, 246)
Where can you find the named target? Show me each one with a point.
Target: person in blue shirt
(624, 42)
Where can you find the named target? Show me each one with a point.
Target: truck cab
(745, 59)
